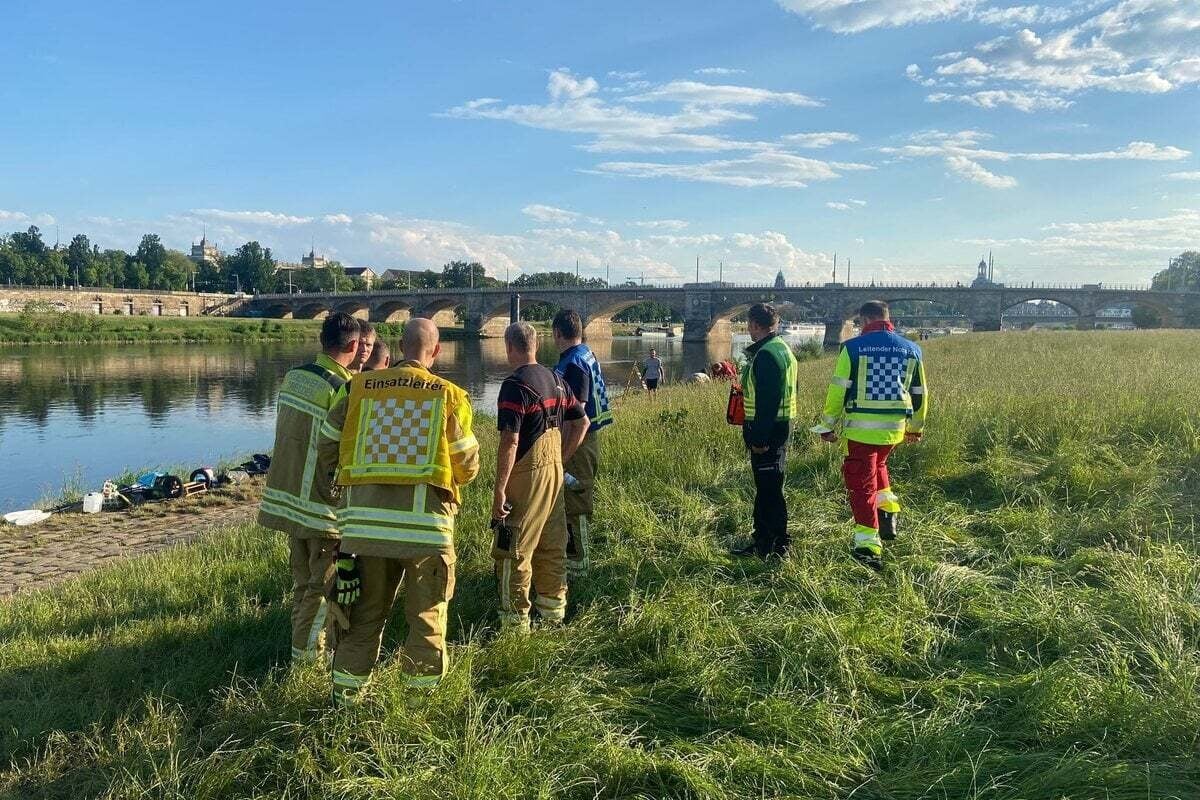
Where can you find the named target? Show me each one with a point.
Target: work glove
(349, 582)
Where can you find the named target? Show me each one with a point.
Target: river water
(81, 414)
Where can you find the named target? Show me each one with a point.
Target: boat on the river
(667, 331)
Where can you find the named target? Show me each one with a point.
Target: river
(80, 414)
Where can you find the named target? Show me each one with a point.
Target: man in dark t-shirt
(541, 424)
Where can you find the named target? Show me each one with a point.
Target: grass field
(1036, 634)
(52, 327)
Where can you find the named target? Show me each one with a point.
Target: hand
(500, 506)
(829, 436)
(349, 583)
(758, 451)
(912, 438)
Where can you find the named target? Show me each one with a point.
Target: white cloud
(1175, 176)
(962, 152)
(994, 98)
(661, 224)
(1139, 46)
(855, 16)
(543, 213)
(44, 219)
(848, 205)
(775, 169)
(625, 76)
(338, 219)
(13, 216)
(816, 141)
(272, 219)
(718, 71)
(708, 94)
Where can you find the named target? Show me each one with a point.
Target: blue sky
(909, 136)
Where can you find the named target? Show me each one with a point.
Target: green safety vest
(777, 349)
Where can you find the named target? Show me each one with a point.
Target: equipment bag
(735, 412)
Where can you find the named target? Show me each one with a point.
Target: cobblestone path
(68, 544)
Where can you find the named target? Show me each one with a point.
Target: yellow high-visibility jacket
(401, 443)
(293, 502)
(878, 392)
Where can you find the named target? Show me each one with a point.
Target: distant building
(313, 261)
(986, 273)
(366, 273)
(780, 283)
(205, 253)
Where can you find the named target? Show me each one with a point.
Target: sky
(909, 137)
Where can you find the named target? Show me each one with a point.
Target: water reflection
(93, 411)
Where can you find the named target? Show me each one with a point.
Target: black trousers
(770, 507)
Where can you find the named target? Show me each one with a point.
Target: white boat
(664, 331)
(802, 330)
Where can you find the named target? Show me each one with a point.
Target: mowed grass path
(1035, 636)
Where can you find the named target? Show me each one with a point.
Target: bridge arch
(317, 309)
(1166, 314)
(599, 317)
(278, 311)
(390, 311)
(355, 308)
(444, 311)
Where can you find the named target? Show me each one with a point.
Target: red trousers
(866, 474)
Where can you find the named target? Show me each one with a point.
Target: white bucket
(93, 502)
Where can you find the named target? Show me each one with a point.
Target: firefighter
(541, 425)
(580, 370)
(879, 399)
(769, 387)
(402, 445)
(292, 502)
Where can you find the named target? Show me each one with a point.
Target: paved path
(68, 544)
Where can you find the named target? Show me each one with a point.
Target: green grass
(1037, 633)
(51, 327)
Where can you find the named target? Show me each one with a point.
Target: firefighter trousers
(530, 549)
(313, 562)
(428, 586)
(577, 503)
(869, 488)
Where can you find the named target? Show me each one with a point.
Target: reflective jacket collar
(325, 362)
(878, 325)
(756, 346)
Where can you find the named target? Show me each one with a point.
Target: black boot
(868, 559)
(748, 550)
(889, 525)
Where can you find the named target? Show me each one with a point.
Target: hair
(874, 309)
(365, 328)
(339, 330)
(568, 325)
(381, 357)
(522, 337)
(763, 315)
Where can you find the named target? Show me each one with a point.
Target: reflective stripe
(411, 535)
(318, 509)
(330, 432)
(349, 680)
(361, 514)
(310, 462)
(550, 602)
(318, 624)
(465, 443)
(302, 405)
(887, 496)
(916, 390)
(873, 425)
(505, 586)
(312, 523)
(867, 538)
(845, 383)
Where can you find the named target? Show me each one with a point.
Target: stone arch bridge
(708, 308)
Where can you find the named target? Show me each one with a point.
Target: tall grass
(1036, 634)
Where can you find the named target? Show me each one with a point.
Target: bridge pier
(836, 332)
(982, 325)
(701, 330)
(600, 328)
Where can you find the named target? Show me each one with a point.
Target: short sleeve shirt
(529, 404)
(653, 369)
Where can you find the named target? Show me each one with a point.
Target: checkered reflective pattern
(399, 432)
(885, 377)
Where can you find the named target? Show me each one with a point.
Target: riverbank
(56, 327)
(1035, 634)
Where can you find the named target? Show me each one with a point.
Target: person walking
(580, 370)
(401, 442)
(769, 387)
(541, 425)
(878, 399)
(652, 373)
(292, 503)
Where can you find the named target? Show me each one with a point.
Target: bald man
(398, 442)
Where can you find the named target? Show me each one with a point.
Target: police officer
(769, 386)
(580, 370)
(403, 448)
(878, 398)
(292, 502)
(541, 425)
